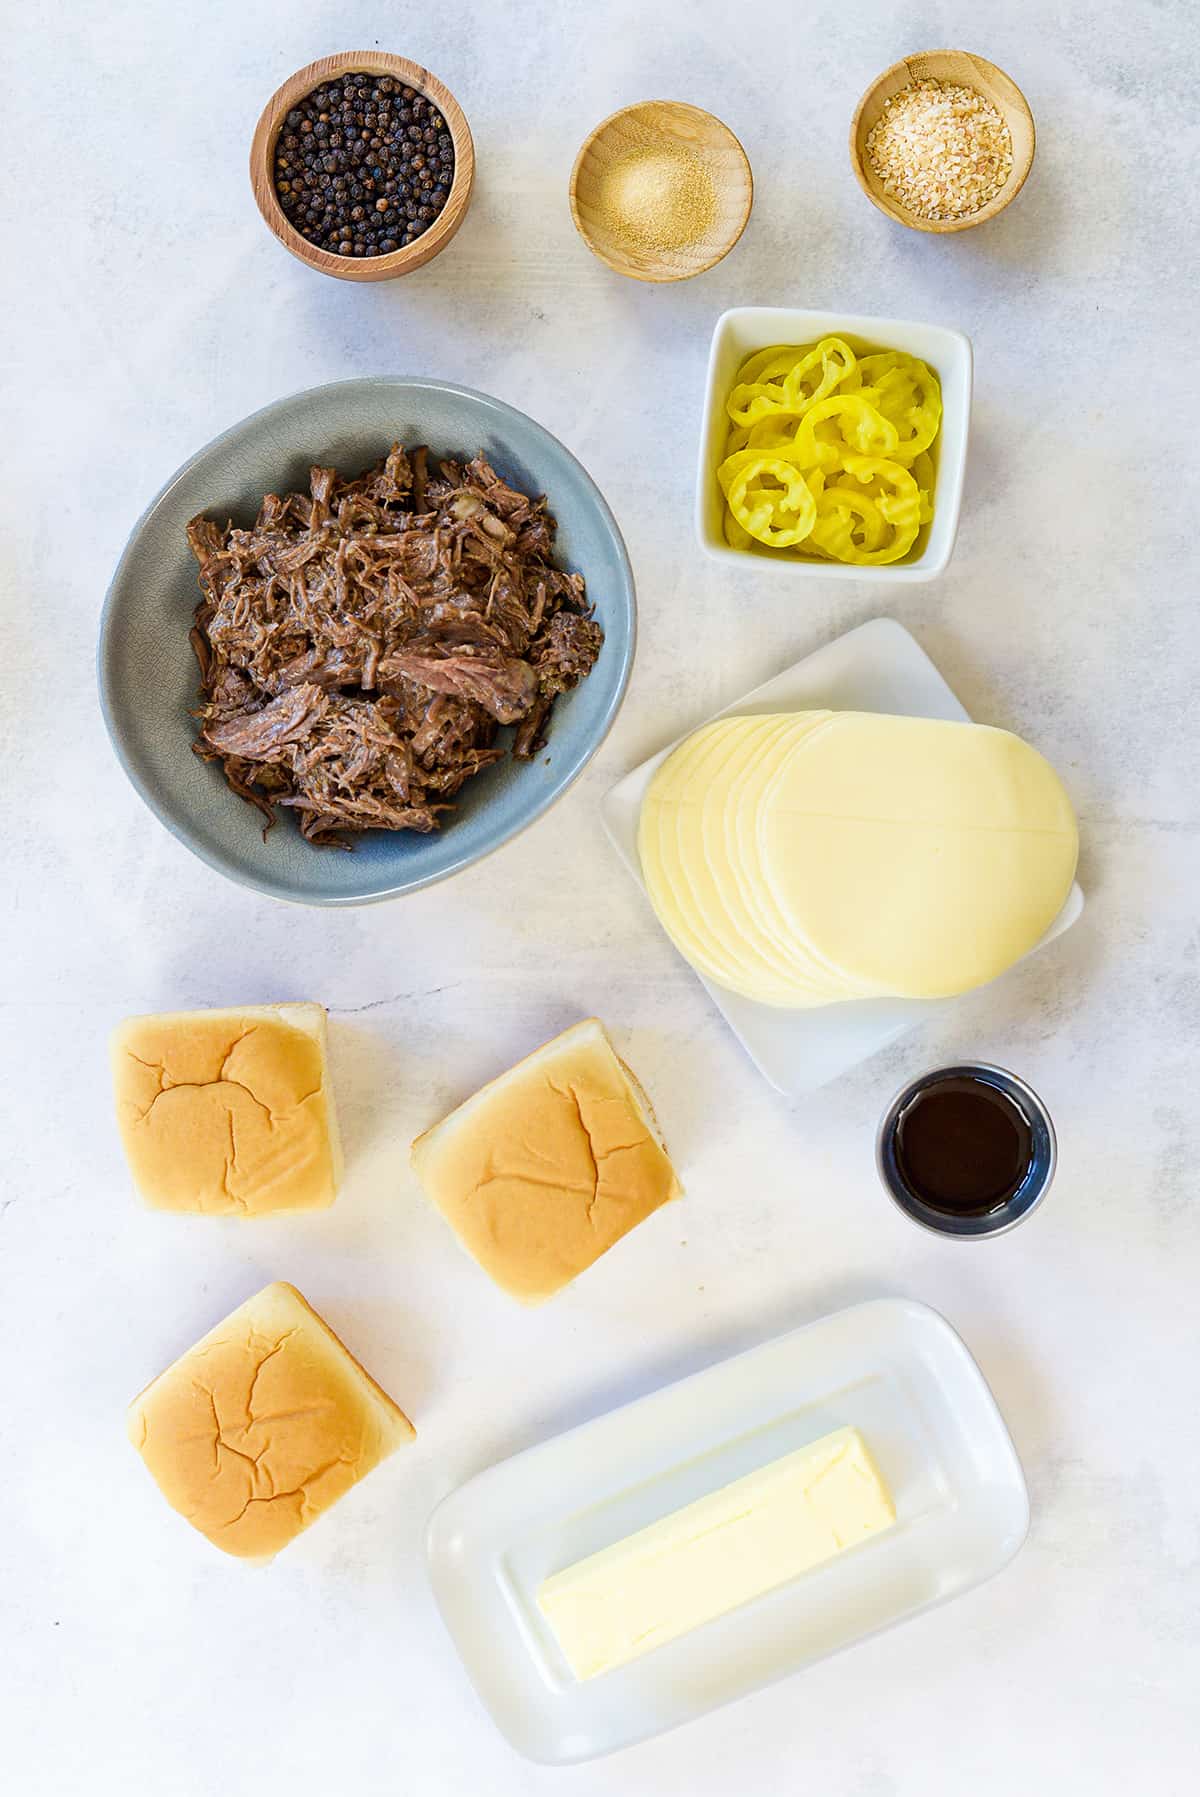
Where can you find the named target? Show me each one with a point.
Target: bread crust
(229, 1112)
(545, 1168)
(263, 1424)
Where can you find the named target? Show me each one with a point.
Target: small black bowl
(1030, 1192)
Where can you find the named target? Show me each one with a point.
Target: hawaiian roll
(263, 1425)
(543, 1170)
(228, 1112)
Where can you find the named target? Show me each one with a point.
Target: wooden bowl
(661, 125)
(262, 166)
(967, 71)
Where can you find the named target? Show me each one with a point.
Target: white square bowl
(891, 1368)
(745, 329)
(877, 667)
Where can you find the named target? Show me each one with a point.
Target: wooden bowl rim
(262, 174)
(667, 275)
(940, 226)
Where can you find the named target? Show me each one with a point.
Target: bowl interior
(964, 69)
(739, 333)
(657, 126)
(148, 675)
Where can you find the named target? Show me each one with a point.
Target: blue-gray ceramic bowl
(148, 676)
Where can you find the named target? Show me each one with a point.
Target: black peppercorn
(364, 165)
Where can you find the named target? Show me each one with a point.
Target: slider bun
(263, 1425)
(545, 1168)
(228, 1112)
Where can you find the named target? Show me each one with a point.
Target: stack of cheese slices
(821, 856)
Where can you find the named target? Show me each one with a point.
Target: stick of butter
(716, 1553)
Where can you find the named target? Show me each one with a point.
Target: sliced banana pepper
(868, 492)
(907, 394)
(771, 499)
(789, 380)
(828, 452)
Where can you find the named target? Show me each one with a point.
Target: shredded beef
(360, 645)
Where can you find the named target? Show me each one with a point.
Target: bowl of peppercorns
(362, 164)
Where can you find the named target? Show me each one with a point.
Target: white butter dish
(878, 667)
(892, 1369)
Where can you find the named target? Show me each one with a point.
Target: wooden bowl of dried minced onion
(942, 141)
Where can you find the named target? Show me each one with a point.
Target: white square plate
(877, 667)
(893, 1369)
(745, 329)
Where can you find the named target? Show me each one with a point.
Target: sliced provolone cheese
(742, 848)
(919, 855)
(670, 883)
(815, 857)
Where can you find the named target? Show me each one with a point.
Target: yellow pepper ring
(779, 516)
(894, 493)
(775, 435)
(735, 536)
(910, 397)
(790, 380)
(744, 458)
(757, 398)
(885, 480)
(804, 386)
(754, 367)
(846, 514)
(873, 367)
(766, 392)
(921, 470)
(861, 430)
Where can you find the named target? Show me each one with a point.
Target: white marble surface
(147, 308)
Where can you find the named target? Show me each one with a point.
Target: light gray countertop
(147, 308)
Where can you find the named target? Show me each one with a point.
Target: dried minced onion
(942, 150)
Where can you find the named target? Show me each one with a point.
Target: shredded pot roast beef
(361, 645)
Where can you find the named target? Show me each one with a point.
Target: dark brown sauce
(963, 1146)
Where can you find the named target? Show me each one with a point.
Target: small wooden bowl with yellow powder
(661, 191)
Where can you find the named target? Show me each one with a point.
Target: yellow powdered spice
(659, 199)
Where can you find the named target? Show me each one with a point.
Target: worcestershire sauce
(963, 1147)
